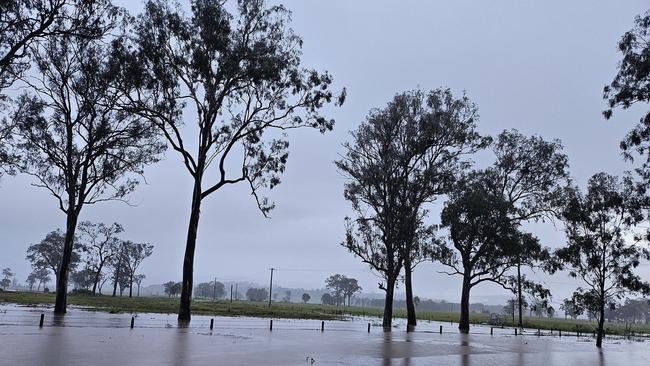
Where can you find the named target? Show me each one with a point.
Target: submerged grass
(296, 311)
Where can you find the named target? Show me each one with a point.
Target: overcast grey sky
(536, 66)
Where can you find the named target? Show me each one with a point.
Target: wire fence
(83, 319)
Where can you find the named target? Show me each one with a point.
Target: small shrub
(81, 292)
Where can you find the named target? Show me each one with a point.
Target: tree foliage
(102, 244)
(172, 289)
(400, 158)
(49, 251)
(237, 70)
(631, 85)
(7, 274)
(210, 290)
(69, 134)
(24, 23)
(342, 288)
(597, 251)
(133, 256)
(482, 241)
(257, 294)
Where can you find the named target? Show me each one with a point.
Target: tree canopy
(631, 85)
(597, 252)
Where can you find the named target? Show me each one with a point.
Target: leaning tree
(234, 72)
(401, 158)
(70, 136)
(598, 225)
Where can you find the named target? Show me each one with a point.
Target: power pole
(231, 293)
(271, 287)
(214, 290)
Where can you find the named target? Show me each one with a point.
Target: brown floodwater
(96, 338)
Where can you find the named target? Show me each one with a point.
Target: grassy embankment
(286, 310)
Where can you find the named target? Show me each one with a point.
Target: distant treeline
(429, 305)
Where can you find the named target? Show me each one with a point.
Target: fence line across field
(39, 319)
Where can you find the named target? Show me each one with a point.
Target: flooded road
(93, 338)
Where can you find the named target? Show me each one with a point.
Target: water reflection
(397, 348)
(464, 350)
(55, 343)
(601, 358)
(179, 350)
(58, 320)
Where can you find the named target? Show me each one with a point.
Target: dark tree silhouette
(118, 267)
(597, 251)
(631, 85)
(48, 253)
(257, 294)
(482, 240)
(571, 307)
(101, 243)
(24, 23)
(305, 298)
(134, 254)
(529, 173)
(239, 68)
(531, 254)
(327, 299)
(138, 281)
(402, 157)
(172, 289)
(83, 278)
(7, 274)
(336, 284)
(210, 290)
(71, 138)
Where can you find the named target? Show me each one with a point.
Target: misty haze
(198, 182)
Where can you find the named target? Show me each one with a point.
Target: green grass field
(293, 311)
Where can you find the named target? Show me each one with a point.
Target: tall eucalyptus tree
(234, 72)
(599, 224)
(69, 135)
(401, 158)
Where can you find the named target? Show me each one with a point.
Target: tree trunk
(601, 326)
(138, 295)
(97, 275)
(463, 324)
(387, 322)
(116, 279)
(61, 301)
(410, 305)
(131, 286)
(184, 313)
(519, 295)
